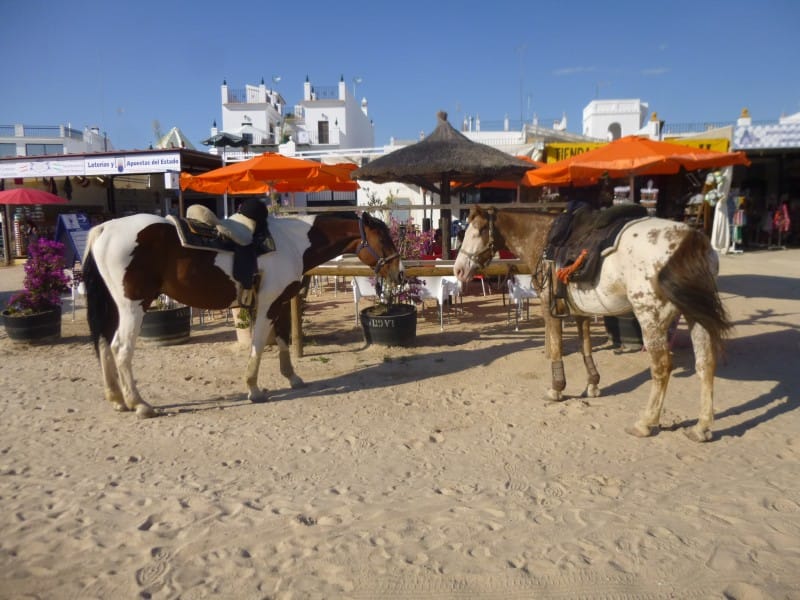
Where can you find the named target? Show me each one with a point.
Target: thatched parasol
(444, 156)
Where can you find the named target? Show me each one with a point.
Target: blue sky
(123, 65)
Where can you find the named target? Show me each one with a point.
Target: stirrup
(559, 308)
(247, 298)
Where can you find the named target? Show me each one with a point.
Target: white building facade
(613, 119)
(327, 118)
(50, 140)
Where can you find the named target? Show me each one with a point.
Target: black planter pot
(36, 328)
(396, 327)
(167, 326)
(624, 332)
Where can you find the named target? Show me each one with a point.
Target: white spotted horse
(130, 261)
(656, 268)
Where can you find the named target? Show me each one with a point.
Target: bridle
(380, 261)
(484, 257)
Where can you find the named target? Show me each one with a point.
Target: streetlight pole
(356, 81)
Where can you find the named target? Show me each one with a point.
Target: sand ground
(432, 472)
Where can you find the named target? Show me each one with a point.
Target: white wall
(601, 117)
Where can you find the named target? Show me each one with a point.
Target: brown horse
(131, 260)
(659, 269)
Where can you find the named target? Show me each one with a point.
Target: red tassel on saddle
(563, 274)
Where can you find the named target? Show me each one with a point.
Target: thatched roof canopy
(445, 155)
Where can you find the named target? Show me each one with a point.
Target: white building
(254, 112)
(327, 118)
(613, 119)
(51, 140)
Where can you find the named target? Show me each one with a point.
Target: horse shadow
(763, 286)
(756, 358)
(400, 369)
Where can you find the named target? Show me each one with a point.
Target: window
(8, 149)
(247, 138)
(42, 149)
(322, 132)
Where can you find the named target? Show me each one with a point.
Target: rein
(364, 245)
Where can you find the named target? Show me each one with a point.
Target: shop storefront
(772, 182)
(102, 186)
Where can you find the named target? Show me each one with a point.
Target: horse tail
(101, 310)
(688, 280)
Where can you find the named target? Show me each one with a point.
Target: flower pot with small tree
(392, 321)
(34, 314)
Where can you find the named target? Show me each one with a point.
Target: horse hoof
(591, 391)
(636, 431)
(258, 398)
(296, 383)
(698, 436)
(145, 411)
(554, 396)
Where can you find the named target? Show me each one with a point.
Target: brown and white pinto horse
(131, 260)
(659, 270)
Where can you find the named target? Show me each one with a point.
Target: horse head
(377, 249)
(481, 241)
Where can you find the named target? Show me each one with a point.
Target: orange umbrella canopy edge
(630, 156)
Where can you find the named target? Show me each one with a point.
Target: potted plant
(392, 321)
(167, 322)
(34, 314)
(243, 322)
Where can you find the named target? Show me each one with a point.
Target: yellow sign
(716, 144)
(561, 150)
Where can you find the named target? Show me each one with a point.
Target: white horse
(131, 260)
(659, 269)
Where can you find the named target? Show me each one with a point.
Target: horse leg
(553, 344)
(277, 332)
(255, 393)
(654, 336)
(108, 366)
(281, 334)
(592, 376)
(705, 363)
(122, 347)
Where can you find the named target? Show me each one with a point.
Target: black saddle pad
(587, 229)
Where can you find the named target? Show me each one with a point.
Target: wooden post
(7, 235)
(297, 330)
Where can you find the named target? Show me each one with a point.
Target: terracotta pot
(36, 328)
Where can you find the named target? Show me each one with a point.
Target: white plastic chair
(440, 289)
(363, 287)
(520, 293)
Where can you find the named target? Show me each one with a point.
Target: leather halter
(380, 261)
(484, 257)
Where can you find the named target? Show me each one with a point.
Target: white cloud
(573, 70)
(655, 71)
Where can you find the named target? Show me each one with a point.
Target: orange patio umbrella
(263, 169)
(628, 157)
(510, 185)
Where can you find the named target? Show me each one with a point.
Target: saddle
(239, 234)
(578, 241)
